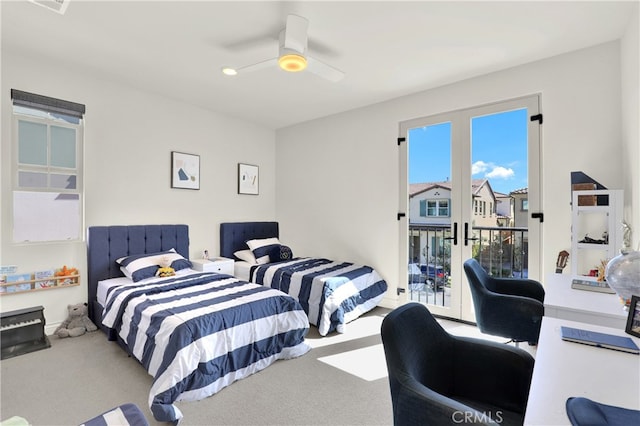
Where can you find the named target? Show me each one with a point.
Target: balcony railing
(502, 251)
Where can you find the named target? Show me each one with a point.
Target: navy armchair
(506, 307)
(440, 379)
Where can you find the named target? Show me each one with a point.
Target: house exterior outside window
(430, 217)
(521, 202)
(443, 208)
(430, 203)
(434, 208)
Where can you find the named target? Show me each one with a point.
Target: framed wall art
(248, 179)
(633, 320)
(185, 170)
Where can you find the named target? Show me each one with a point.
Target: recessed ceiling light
(229, 71)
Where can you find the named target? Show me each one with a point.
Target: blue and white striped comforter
(124, 415)
(196, 334)
(331, 293)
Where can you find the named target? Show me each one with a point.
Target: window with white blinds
(47, 179)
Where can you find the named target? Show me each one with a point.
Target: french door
(469, 181)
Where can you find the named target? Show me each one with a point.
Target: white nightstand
(221, 265)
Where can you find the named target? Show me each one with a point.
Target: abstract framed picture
(248, 179)
(185, 170)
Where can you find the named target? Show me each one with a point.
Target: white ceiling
(387, 49)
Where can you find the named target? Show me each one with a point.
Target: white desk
(564, 369)
(562, 301)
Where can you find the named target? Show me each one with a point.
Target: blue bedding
(331, 293)
(196, 334)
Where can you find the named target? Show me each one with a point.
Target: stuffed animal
(77, 323)
(165, 269)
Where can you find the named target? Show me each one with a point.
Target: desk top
(560, 295)
(564, 369)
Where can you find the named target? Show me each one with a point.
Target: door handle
(455, 234)
(466, 235)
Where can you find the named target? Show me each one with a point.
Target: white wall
(337, 178)
(630, 62)
(129, 136)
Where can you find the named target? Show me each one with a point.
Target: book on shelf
(591, 285)
(44, 279)
(601, 340)
(15, 278)
(8, 269)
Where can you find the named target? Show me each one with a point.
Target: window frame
(21, 113)
(435, 208)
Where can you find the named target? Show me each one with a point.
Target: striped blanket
(196, 334)
(124, 415)
(331, 293)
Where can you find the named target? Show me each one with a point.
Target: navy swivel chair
(506, 307)
(440, 379)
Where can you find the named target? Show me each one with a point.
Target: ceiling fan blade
(258, 66)
(250, 43)
(295, 33)
(323, 70)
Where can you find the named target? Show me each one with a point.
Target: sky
(498, 151)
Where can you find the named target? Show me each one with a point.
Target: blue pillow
(585, 412)
(280, 253)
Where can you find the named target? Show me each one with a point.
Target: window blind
(46, 103)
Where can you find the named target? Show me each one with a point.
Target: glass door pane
(430, 200)
(502, 138)
(499, 171)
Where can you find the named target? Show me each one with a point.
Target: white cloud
(491, 171)
(479, 167)
(499, 172)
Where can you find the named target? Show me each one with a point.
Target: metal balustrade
(502, 251)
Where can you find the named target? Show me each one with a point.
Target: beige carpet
(341, 381)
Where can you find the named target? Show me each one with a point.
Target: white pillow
(262, 247)
(246, 255)
(141, 266)
(127, 273)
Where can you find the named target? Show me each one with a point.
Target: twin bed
(332, 293)
(197, 332)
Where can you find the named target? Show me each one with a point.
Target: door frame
(461, 146)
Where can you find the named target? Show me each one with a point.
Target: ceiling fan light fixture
(292, 62)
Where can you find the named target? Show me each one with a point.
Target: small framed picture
(248, 179)
(185, 170)
(633, 320)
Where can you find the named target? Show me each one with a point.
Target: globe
(623, 275)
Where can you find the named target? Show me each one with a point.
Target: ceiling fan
(292, 54)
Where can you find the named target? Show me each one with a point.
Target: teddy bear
(165, 269)
(77, 323)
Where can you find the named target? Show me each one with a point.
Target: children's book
(44, 276)
(18, 287)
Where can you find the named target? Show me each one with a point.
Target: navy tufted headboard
(105, 244)
(234, 235)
